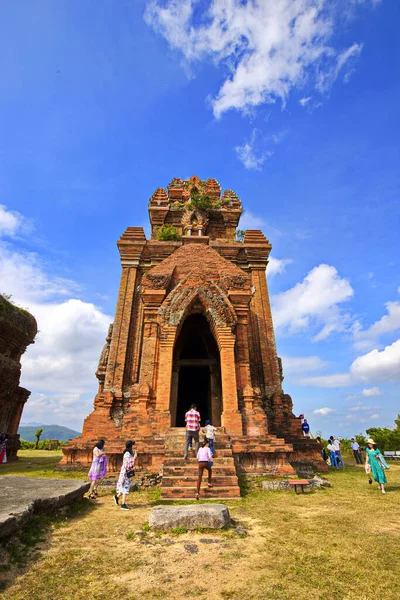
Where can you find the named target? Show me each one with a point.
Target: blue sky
(293, 104)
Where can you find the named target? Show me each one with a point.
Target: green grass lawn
(39, 463)
(338, 543)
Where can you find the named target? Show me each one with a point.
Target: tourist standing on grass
(98, 469)
(377, 463)
(336, 443)
(332, 454)
(126, 474)
(192, 418)
(204, 458)
(356, 451)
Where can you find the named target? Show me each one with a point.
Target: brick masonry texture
(205, 272)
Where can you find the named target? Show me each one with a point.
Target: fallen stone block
(210, 516)
(272, 486)
(21, 497)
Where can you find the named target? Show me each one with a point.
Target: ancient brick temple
(193, 324)
(18, 329)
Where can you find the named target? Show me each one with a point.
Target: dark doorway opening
(196, 377)
(194, 388)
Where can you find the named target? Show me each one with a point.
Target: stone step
(177, 493)
(180, 462)
(192, 472)
(219, 452)
(218, 481)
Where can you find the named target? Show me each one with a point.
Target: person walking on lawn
(125, 475)
(98, 469)
(192, 418)
(377, 464)
(356, 451)
(204, 458)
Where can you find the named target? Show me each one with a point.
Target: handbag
(130, 473)
(368, 468)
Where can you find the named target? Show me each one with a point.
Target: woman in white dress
(125, 475)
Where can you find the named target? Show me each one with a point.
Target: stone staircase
(180, 476)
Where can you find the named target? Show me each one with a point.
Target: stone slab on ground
(315, 482)
(210, 516)
(21, 497)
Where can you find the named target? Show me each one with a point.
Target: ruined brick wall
(18, 329)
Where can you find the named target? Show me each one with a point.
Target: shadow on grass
(22, 549)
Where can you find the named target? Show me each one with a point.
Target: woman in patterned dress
(98, 469)
(376, 464)
(124, 480)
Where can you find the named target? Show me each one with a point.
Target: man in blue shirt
(306, 428)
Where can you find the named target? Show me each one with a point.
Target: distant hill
(50, 432)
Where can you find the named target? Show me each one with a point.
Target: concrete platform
(21, 497)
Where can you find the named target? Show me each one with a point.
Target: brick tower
(193, 324)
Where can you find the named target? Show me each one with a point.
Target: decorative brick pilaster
(231, 417)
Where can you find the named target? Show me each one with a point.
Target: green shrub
(168, 233)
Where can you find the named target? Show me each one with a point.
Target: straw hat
(370, 441)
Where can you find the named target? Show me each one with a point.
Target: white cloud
(10, 221)
(389, 323)
(323, 411)
(378, 367)
(374, 391)
(335, 380)
(250, 154)
(302, 364)
(268, 47)
(59, 368)
(314, 302)
(304, 101)
(23, 275)
(277, 266)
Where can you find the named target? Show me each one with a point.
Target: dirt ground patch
(329, 543)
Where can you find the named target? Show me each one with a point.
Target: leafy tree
(37, 436)
(240, 235)
(385, 438)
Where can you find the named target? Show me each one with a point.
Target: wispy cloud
(270, 47)
(250, 154)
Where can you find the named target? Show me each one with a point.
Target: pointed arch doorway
(196, 372)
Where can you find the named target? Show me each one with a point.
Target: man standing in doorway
(192, 418)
